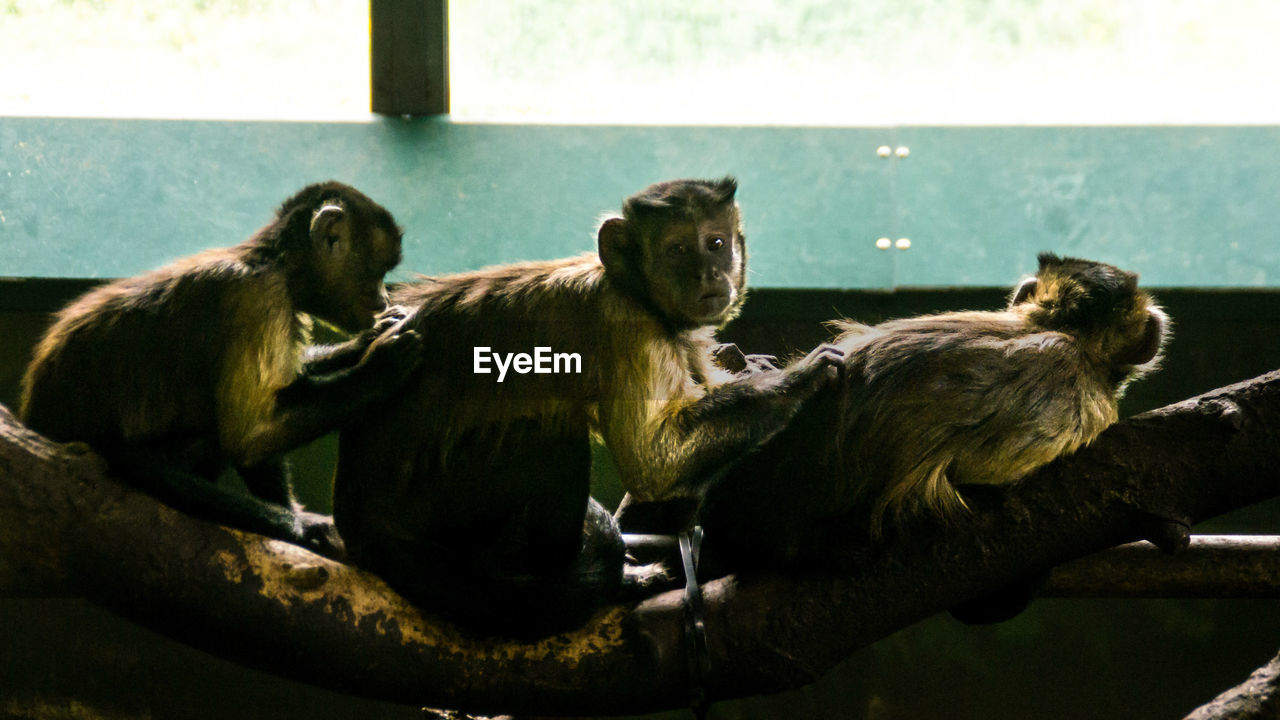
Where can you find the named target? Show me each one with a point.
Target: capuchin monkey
(184, 371)
(928, 404)
(470, 494)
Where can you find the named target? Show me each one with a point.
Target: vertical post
(409, 48)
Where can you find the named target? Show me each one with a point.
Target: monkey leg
(166, 475)
(439, 577)
(558, 506)
(270, 481)
(662, 517)
(501, 537)
(561, 555)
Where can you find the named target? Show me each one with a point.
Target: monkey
(181, 372)
(484, 478)
(930, 403)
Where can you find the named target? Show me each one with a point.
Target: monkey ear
(1024, 291)
(612, 242)
(1152, 338)
(324, 223)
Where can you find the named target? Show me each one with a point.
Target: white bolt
(884, 243)
(884, 151)
(903, 243)
(902, 151)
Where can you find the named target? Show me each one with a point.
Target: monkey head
(1102, 305)
(339, 244)
(678, 250)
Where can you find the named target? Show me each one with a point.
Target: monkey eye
(715, 243)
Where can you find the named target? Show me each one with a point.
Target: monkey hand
(389, 318)
(762, 363)
(729, 357)
(394, 356)
(815, 371)
(325, 359)
(317, 533)
(386, 321)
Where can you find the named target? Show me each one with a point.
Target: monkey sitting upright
(470, 494)
(929, 403)
(178, 373)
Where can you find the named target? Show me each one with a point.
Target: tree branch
(67, 527)
(1257, 698)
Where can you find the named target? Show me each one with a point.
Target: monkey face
(696, 268)
(352, 248)
(678, 249)
(356, 286)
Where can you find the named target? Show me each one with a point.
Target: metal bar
(1212, 566)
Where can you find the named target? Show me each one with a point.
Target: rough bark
(66, 526)
(1257, 698)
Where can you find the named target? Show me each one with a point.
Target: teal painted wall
(1184, 206)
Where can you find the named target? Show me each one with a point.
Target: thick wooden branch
(65, 525)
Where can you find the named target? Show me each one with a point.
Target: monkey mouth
(713, 303)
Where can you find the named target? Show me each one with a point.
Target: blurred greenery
(805, 62)
(823, 62)
(280, 59)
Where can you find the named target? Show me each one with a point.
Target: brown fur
(122, 363)
(986, 397)
(649, 385)
(637, 376)
(464, 468)
(199, 346)
(199, 354)
(926, 404)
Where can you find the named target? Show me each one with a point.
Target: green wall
(1185, 206)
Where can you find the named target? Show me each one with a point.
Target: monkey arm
(326, 359)
(255, 424)
(671, 440)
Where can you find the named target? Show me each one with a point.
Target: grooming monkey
(471, 493)
(932, 402)
(176, 374)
